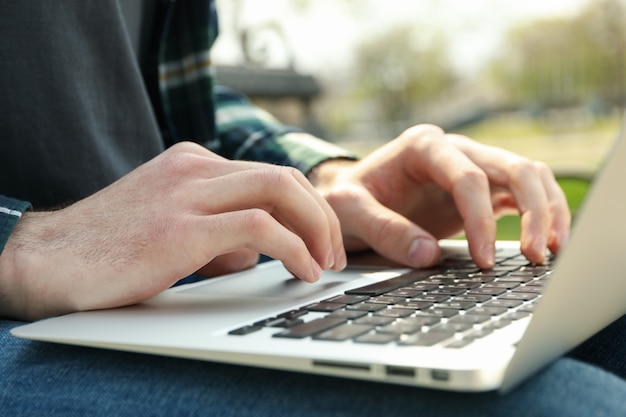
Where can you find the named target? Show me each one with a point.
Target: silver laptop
(453, 328)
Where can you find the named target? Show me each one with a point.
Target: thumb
(387, 232)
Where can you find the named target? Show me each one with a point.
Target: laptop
(452, 327)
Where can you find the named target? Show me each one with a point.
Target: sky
(323, 38)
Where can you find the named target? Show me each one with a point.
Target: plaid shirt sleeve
(247, 132)
(225, 122)
(10, 212)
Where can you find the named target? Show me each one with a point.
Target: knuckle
(346, 197)
(180, 163)
(256, 221)
(185, 147)
(423, 133)
(543, 169)
(274, 176)
(475, 177)
(522, 167)
(424, 130)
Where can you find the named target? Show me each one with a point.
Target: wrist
(325, 174)
(11, 213)
(12, 299)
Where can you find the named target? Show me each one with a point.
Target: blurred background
(543, 78)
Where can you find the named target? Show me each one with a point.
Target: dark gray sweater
(75, 114)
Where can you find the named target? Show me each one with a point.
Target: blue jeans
(49, 379)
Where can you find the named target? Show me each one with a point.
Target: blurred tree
(563, 62)
(399, 73)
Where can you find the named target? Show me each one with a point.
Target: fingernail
(540, 248)
(341, 260)
(330, 259)
(316, 271)
(422, 252)
(488, 253)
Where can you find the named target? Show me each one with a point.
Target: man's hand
(186, 210)
(426, 185)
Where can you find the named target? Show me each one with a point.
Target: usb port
(400, 371)
(439, 375)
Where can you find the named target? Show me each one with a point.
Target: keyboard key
(526, 288)
(487, 311)
(343, 332)
(404, 293)
(447, 291)
(421, 287)
(245, 330)
(516, 277)
(479, 333)
(376, 338)
(451, 327)
(348, 314)
(517, 315)
(507, 285)
(371, 307)
(536, 270)
(432, 298)
(470, 319)
(385, 299)
(399, 328)
(294, 313)
(476, 298)
(282, 322)
(346, 299)
(437, 312)
(391, 284)
(522, 296)
(425, 339)
(420, 320)
(414, 305)
(503, 303)
(324, 307)
(481, 279)
(394, 312)
(310, 328)
(457, 305)
(459, 343)
(487, 291)
(375, 320)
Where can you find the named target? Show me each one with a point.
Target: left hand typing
(427, 185)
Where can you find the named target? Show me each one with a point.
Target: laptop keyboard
(452, 304)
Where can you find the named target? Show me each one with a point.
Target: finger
(560, 212)
(230, 262)
(336, 255)
(257, 231)
(544, 210)
(276, 191)
(528, 191)
(538, 197)
(188, 160)
(384, 230)
(468, 184)
(471, 195)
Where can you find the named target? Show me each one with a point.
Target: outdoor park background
(545, 79)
